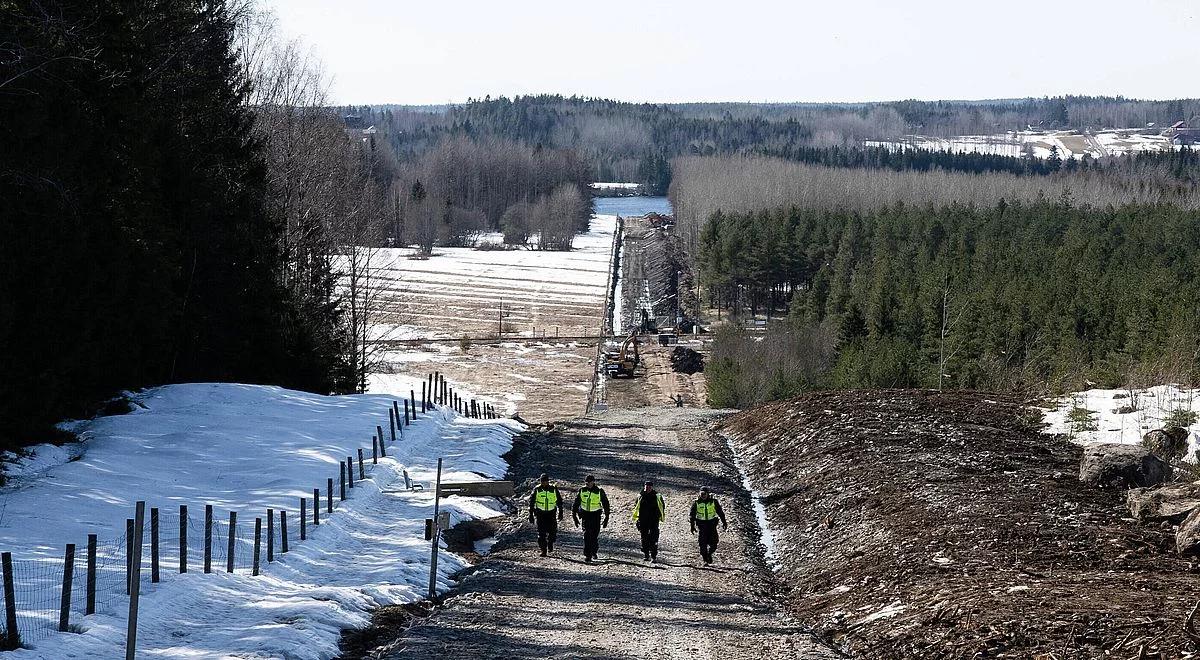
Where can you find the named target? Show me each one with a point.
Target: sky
(443, 51)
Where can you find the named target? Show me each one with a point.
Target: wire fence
(40, 600)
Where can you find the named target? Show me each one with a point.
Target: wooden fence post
(270, 535)
(208, 525)
(379, 432)
(257, 543)
(374, 451)
(303, 518)
(128, 554)
(13, 637)
(350, 471)
(362, 474)
(382, 449)
(396, 414)
(283, 532)
(342, 481)
(232, 541)
(412, 398)
(423, 409)
(392, 423)
(406, 412)
(89, 596)
(64, 604)
(135, 583)
(329, 495)
(316, 507)
(154, 544)
(183, 534)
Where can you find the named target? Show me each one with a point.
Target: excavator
(625, 361)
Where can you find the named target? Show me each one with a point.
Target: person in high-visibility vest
(590, 502)
(544, 503)
(648, 512)
(706, 510)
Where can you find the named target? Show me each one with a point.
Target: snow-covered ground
(1038, 143)
(239, 448)
(461, 291)
(1122, 415)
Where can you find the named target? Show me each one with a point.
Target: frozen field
(461, 292)
(239, 448)
(538, 369)
(1038, 143)
(1123, 415)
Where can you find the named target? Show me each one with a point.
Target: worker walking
(706, 510)
(590, 503)
(649, 510)
(545, 507)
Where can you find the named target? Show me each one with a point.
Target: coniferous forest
(141, 239)
(1013, 296)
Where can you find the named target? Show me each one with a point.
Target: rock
(687, 361)
(1168, 444)
(1170, 503)
(1187, 539)
(1120, 465)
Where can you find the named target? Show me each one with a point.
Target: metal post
(183, 530)
(13, 638)
(64, 604)
(135, 584)
(283, 531)
(154, 544)
(89, 606)
(232, 539)
(257, 544)
(433, 552)
(208, 525)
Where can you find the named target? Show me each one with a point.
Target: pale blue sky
(438, 51)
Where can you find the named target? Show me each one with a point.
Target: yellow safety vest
(706, 510)
(589, 501)
(545, 499)
(662, 507)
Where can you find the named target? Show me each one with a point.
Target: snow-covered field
(1038, 143)
(1122, 415)
(239, 448)
(461, 292)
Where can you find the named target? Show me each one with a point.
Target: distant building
(1183, 133)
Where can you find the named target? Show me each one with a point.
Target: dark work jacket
(647, 512)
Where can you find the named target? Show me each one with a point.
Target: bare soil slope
(923, 525)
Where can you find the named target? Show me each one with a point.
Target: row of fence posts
(434, 391)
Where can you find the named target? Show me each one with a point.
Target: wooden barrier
(232, 539)
(64, 603)
(183, 534)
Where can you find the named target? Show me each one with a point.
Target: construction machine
(624, 361)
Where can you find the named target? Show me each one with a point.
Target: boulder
(1171, 503)
(1112, 464)
(1168, 444)
(1187, 539)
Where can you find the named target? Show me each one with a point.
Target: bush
(1180, 418)
(1080, 420)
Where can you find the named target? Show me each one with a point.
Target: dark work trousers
(649, 540)
(547, 524)
(591, 532)
(708, 538)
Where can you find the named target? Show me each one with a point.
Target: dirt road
(517, 604)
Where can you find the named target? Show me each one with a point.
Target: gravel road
(517, 604)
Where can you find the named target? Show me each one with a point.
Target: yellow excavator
(625, 361)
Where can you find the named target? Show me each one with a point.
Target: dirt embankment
(923, 525)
